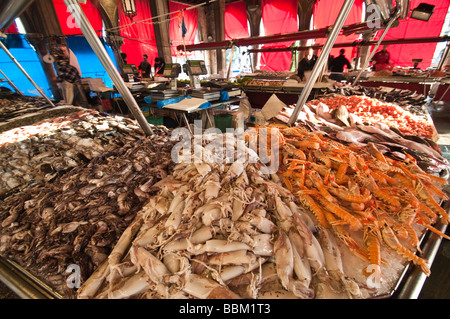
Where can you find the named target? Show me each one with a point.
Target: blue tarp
(29, 60)
(90, 65)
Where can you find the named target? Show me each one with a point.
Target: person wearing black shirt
(306, 64)
(159, 65)
(145, 67)
(337, 66)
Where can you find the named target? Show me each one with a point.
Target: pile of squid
(369, 201)
(38, 153)
(77, 218)
(221, 229)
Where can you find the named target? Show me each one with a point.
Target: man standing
(145, 67)
(159, 66)
(69, 80)
(337, 66)
(306, 64)
(380, 60)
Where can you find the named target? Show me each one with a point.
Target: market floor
(437, 286)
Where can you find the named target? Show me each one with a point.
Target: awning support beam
(369, 58)
(323, 58)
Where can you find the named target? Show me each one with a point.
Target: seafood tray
(408, 286)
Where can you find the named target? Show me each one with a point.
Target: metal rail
(23, 284)
(91, 36)
(323, 57)
(2, 45)
(369, 58)
(11, 83)
(356, 44)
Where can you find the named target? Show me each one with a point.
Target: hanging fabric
(402, 54)
(183, 26)
(12, 29)
(236, 26)
(138, 37)
(67, 22)
(278, 17)
(325, 13)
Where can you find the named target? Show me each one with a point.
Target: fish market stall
(259, 91)
(127, 206)
(70, 186)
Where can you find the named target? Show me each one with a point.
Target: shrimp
(348, 218)
(392, 241)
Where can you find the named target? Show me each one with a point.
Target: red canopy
(278, 17)
(236, 20)
(67, 22)
(139, 38)
(325, 14)
(175, 27)
(12, 28)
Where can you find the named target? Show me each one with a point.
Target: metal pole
(323, 57)
(25, 73)
(369, 58)
(94, 42)
(444, 57)
(11, 83)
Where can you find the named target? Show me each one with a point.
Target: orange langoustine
(352, 189)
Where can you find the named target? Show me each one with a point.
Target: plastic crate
(155, 119)
(223, 121)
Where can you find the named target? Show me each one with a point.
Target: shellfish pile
(40, 152)
(221, 230)
(78, 217)
(370, 201)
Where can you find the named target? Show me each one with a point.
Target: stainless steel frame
(25, 73)
(323, 58)
(11, 83)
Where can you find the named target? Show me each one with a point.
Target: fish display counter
(333, 207)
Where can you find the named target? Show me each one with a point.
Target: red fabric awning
(67, 22)
(12, 28)
(325, 14)
(278, 17)
(138, 38)
(175, 27)
(236, 20)
(402, 54)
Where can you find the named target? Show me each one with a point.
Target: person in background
(330, 60)
(159, 66)
(337, 66)
(69, 80)
(380, 60)
(124, 57)
(145, 67)
(306, 64)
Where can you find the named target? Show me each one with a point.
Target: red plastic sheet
(325, 14)
(175, 27)
(236, 26)
(278, 17)
(138, 38)
(12, 28)
(67, 22)
(402, 54)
